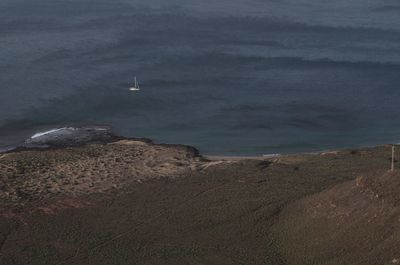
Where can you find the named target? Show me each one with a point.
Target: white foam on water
(271, 155)
(39, 134)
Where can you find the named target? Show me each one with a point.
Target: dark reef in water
(76, 136)
(71, 136)
(66, 137)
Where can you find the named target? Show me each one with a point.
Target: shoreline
(322, 152)
(112, 188)
(103, 134)
(116, 138)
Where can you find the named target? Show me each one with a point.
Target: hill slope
(184, 209)
(357, 222)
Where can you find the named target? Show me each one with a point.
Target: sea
(237, 77)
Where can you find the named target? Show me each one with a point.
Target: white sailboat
(135, 86)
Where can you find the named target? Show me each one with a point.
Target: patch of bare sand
(235, 158)
(128, 142)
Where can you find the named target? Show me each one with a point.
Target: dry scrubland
(31, 175)
(133, 202)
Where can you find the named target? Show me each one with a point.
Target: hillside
(356, 222)
(168, 205)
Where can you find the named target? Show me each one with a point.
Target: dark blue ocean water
(229, 77)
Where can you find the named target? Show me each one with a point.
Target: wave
(39, 134)
(70, 136)
(387, 8)
(225, 60)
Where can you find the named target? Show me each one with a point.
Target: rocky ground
(36, 174)
(134, 202)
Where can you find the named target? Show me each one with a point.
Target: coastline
(122, 191)
(91, 135)
(112, 163)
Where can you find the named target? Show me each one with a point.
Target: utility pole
(392, 168)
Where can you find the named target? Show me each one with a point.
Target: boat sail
(135, 86)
